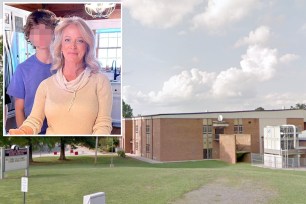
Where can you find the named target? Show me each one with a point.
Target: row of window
(148, 136)
(147, 147)
(207, 135)
(147, 128)
(208, 129)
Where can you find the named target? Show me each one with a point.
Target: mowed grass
(131, 181)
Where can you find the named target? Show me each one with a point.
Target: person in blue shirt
(39, 31)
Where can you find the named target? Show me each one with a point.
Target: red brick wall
(175, 139)
(181, 139)
(156, 139)
(230, 144)
(243, 142)
(228, 148)
(127, 136)
(216, 149)
(251, 126)
(298, 122)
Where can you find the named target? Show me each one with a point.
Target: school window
(147, 128)
(238, 129)
(136, 128)
(207, 129)
(109, 47)
(204, 128)
(148, 136)
(207, 138)
(147, 148)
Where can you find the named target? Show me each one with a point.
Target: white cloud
(160, 13)
(260, 36)
(220, 13)
(194, 89)
(288, 58)
(258, 64)
(228, 83)
(181, 87)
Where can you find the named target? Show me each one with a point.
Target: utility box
(281, 146)
(96, 198)
(272, 139)
(273, 161)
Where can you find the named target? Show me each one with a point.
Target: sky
(213, 55)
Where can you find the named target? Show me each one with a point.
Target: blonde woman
(77, 99)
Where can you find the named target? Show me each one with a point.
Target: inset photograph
(62, 69)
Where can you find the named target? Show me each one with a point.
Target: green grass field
(132, 182)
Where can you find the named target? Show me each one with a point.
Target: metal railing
(258, 160)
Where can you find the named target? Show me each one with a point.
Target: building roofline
(215, 112)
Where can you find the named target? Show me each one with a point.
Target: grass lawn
(132, 182)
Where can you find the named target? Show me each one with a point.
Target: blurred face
(41, 36)
(73, 45)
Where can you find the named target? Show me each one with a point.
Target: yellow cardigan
(85, 112)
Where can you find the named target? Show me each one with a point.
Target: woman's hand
(23, 130)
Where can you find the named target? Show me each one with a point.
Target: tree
(1, 44)
(127, 110)
(73, 141)
(259, 109)
(7, 142)
(299, 106)
(33, 143)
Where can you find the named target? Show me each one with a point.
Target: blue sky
(213, 55)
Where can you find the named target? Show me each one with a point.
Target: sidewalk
(81, 151)
(84, 151)
(143, 159)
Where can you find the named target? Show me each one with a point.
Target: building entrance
(218, 131)
(207, 153)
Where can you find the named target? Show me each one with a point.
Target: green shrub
(121, 153)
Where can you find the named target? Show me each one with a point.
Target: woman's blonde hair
(89, 60)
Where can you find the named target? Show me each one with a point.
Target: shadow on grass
(105, 161)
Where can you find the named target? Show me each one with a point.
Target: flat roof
(279, 113)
